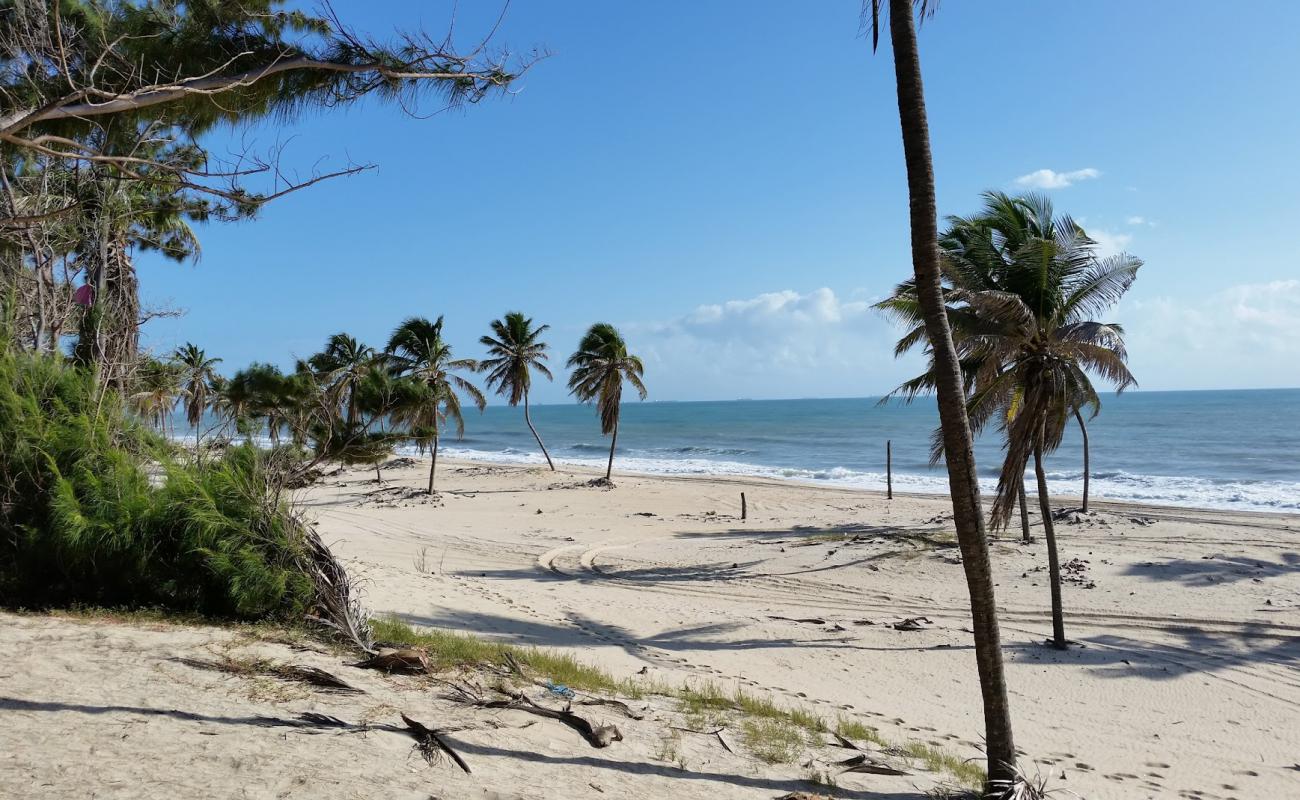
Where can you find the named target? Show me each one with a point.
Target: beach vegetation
(900, 17)
(772, 740)
(515, 351)
(600, 366)
(95, 509)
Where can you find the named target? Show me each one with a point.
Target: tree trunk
(379, 479)
(963, 480)
(609, 470)
(1024, 514)
(1053, 563)
(528, 419)
(1087, 474)
(433, 465)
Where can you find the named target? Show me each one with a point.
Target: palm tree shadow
(1197, 651)
(1214, 569)
(257, 721)
(775, 785)
(583, 631)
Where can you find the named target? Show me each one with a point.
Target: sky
(724, 181)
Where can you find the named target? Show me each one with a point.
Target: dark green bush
(95, 509)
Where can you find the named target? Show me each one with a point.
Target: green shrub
(96, 509)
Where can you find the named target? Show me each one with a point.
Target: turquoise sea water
(1208, 449)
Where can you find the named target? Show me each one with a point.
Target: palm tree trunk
(1053, 563)
(963, 480)
(528, 419)
(1087, 474)
(433, 465)
(609, 469)
(1024, 515)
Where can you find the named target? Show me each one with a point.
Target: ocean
(1202, 449)
(1206, 449)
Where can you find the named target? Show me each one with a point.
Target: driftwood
(409, 659)
(808, 620)
(430, 743)
(717, 733)
(864, 763)
(619, 704)
(316, 677)
(596, 735)
(288, 672)
(912, 624)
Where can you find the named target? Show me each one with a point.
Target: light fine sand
(1186, 683)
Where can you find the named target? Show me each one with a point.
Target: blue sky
(724, 181)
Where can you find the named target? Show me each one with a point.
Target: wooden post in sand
(744, 510)
(889, 470)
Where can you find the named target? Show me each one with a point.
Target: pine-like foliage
(95, 509)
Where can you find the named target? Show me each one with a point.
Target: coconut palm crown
(198, 383)
(514, 351)
(600, 366)
(416, 350)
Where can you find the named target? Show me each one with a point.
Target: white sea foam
(1154, 489)
(1167, 490)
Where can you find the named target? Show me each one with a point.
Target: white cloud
(1139, 220)
(1246, 335)
(1110, 243)
(776, 344)
(1051, 179)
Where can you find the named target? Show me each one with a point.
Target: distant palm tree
(600, 366)
(343, 365)
(514, 352)
(416, 350)
(157, 385)
(198, 380)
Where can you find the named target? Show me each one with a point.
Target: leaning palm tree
(514, 351)
(198, 379)
(600, 366)
(963, 479)
(1020, 286)
(416, 350)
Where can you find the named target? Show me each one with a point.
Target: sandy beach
(1187, 683)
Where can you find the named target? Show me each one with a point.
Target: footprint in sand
(1157, 765)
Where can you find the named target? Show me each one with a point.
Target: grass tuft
(773, 740)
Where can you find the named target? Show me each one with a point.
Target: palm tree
(963, 479)
(416, 350)
(157, 385)
(198, 378)
(515, 352)
(343, 364)
(600, 366)
(1020, 284)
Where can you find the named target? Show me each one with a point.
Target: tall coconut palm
(963, 479)
(343, 364)
(416, 350)
(1020, 286)
(198, 376)
(600, 366)
(514, 351)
